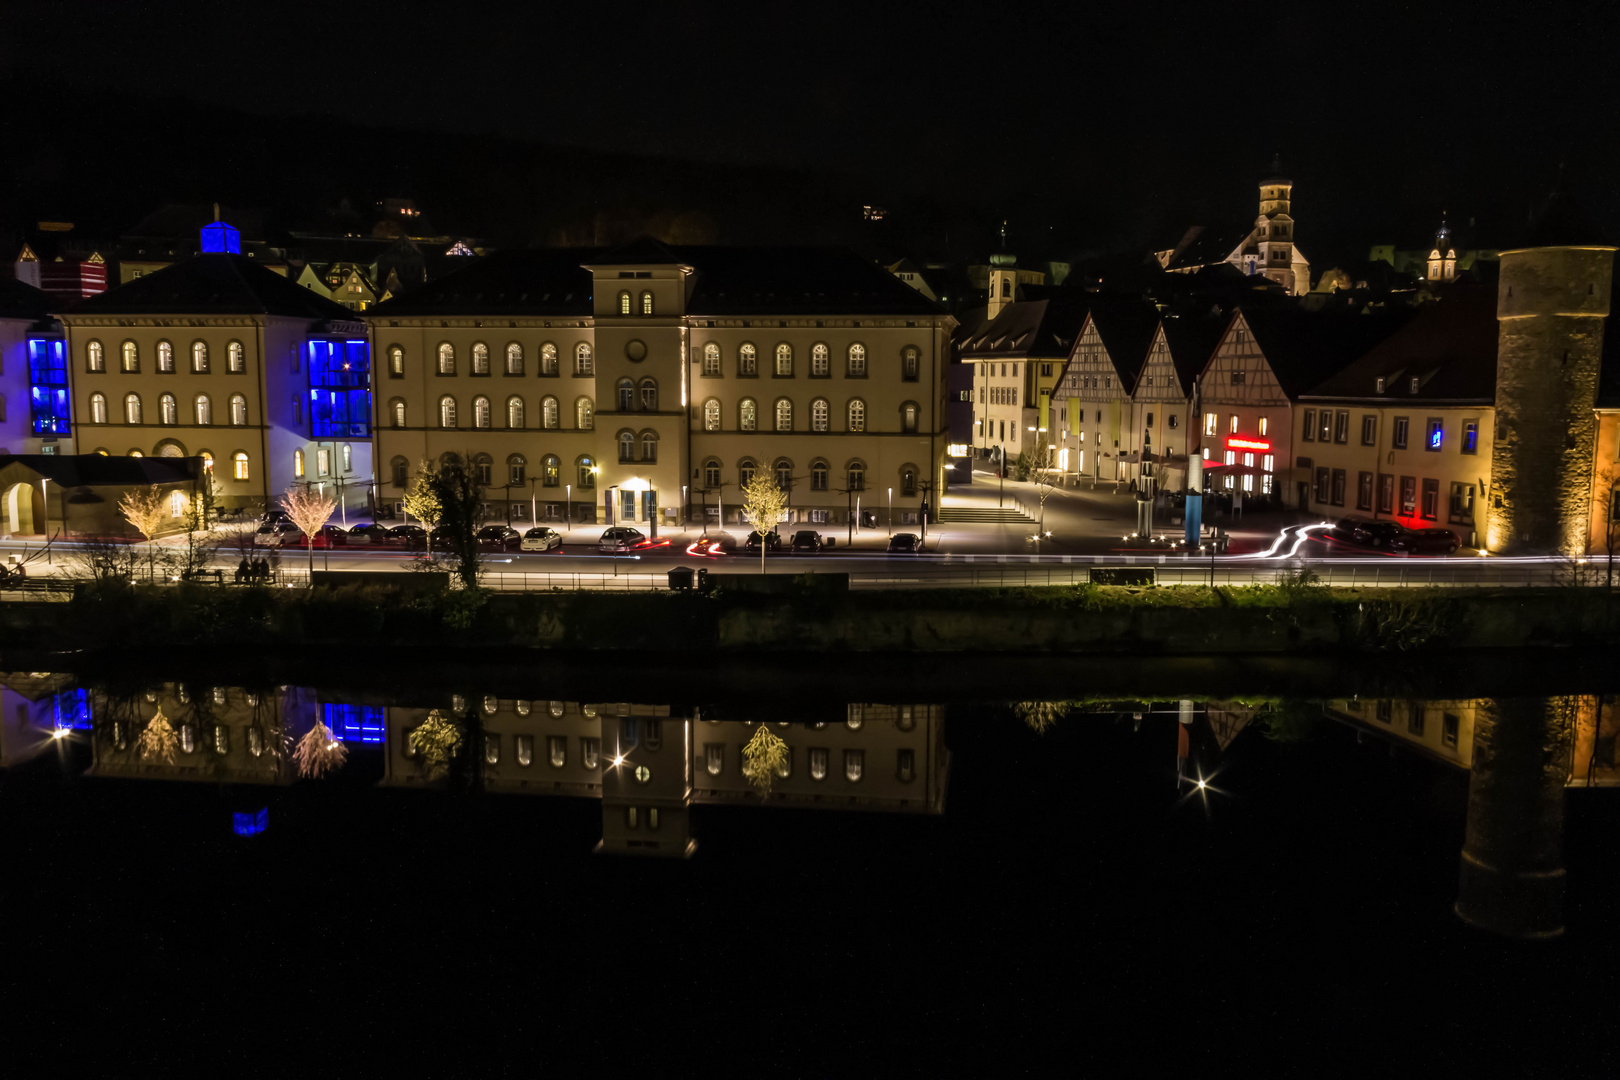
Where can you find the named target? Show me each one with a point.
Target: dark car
(410, 537)
(807, 540)
(1351, 530)
(442, 538)
(499, 538)
(332, 536)
(370, 533)
(271, 517)
(905, 544)
(713, 546)
(773, 541)
(1416, 541)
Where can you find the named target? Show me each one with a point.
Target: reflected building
(34, 708)
(221, 734)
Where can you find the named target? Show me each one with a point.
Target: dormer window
(1380, 384)
(1414, 385)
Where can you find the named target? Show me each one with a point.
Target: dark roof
(643, 251)
(184, 221)
(1044, 324)
(90, 470)
(726, 281)
(20, 300)
(216, 284)
(1209, 247)
(1127, 328)
(1306, 348)
(1192, 340)
(1448, 345)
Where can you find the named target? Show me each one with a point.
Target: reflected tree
(763, 757)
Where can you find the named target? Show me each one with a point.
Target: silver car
(541, 539)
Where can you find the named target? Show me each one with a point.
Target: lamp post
(891, 511)
(534, 502)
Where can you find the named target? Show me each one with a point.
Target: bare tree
(102, 558)
(1045, 479)
(309, 509)
(1608, 484)
(763, 503)
(319, 751)
(144, 510)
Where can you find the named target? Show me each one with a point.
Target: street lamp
(568, 513)
(891, 511)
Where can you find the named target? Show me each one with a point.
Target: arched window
(482, 468)
(165, 357)
(396, 412)
(747, 361)
(711, 415)
(514, 412)
(745, 471)
(514, 359)
(587, 472)
(95, 358)
(649, 446)
(820, 365)
(711, 474)
(584, 414)
(238, 410)
(130, 356)
(235, 358)
(98, 408)
(784, 359)
(910, 363)
(447, 358)
(239, 465)
(348, 458)
(711, 359)
(205, 410)
(854, 765)
(818, 476)
(646, 303)
(624, 302)
(400, 470)
(481, 412)
(627, 446)
(818, 414)
(199, 357)
(908, 416)
(747, 414)
(784, 474)
(517, 468)
(298, 463)
(135, 453)
(855, 473)
(551, 470)
(857, 361)
(583, 364)
(627, 395)
(649, 395)
(447, 412)
(168, 410)
(857, 415)
(548, 413)
(396, 362)
(480, 358)
(908, 480)
(548, 359)
(207, 460)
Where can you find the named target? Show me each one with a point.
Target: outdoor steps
(983, 515)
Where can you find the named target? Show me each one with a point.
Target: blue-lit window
(250, 824)
(1437, 434)
(48, 386)
(339, 389)
(354, 723)
(72, 709)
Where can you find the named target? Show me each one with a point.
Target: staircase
(983, 515)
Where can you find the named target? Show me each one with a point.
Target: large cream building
(644, 385)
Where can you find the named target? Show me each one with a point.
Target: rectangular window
(1209, 423)
(1231, 426)
(1408, 495)
(1308, 430)
(1462, 504)
(1237, 378)
(1339, 480)
(1386, 711)
(627, 504)
(1369, 429)
(1398, 439)
(1260, 427)
(1414, 718)
(1436, 433)
(1323, 479)
(1431, 499)
(1386, 493)
(1324, 425)
(323, 461)
(1470, 437)
(1364, 491)
(1341, 429)
(1448, 730)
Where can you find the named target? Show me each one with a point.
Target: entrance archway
(19, 504)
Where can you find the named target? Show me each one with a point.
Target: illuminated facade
(642, 386)
(1018, 359)
(1266, 249)
(34, 408)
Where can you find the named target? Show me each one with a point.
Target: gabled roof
(216, 284)
(1192, 340)
(1306, 348)
(20, 300)
(1044, 324)
(82, 470)
(1448, 345)
(1127, 327)
(533, 282)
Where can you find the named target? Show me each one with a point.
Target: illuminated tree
(435, 743)
(144, 510)
(763, 504)
(158, 740)
(319, 751)
(1039, 715)
(422, 501)
(310, 510)
(763, 757)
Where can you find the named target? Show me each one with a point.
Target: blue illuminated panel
(218, 237)
(250, 823)
(48, 386)
(339, 389)
(72, 709)
(354, 723)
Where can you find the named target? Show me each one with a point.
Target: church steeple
(1443, 256)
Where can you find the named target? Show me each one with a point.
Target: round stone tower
(1552, 302)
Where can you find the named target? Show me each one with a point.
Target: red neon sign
(1235, 443)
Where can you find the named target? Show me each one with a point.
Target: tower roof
(1276, 176)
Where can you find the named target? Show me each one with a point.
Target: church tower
(1552, 302)
(1443, 256)
(1003, 277)
(1274, 229)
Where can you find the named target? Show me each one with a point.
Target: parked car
(807, 540)
(1350, 530)
(905, 544)
(1417, 541)
(332, 536)
(370, 533)
(499, 538)
(541, 538)
(277, 534)
(270, 517)
(620, 538)
(442, 538)
(713, 546)
(410, 537)
(773, 541)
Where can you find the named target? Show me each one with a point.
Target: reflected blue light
(251, 824)
(354, 723)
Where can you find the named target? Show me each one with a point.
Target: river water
(979, 881)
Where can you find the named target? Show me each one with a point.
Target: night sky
(1089, 127)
